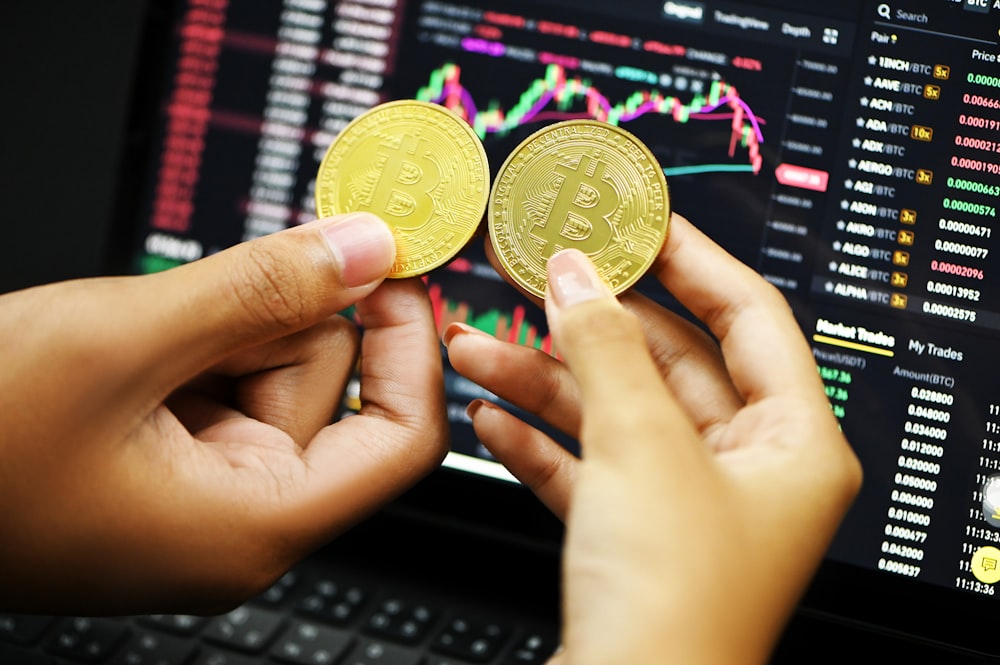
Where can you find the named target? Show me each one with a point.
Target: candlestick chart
(555, 96)
(509, 323)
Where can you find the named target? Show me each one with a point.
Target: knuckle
(546, 473)
(267, 286)
(768, 294)
(550, 385)
(332, 338)
(754, 295)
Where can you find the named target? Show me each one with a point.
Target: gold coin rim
(661, 179)
(463, 126)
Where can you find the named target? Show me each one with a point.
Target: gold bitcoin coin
(583, 184)
(419, 167)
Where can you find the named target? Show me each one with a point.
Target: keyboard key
(311, 644)
(531, 649)
(11, 654)
(329, 601)
(90, 640)
(23, 628)
(220, 657)
(149, 648)
(248, 629)
(402, 621)
(471, 640)
(179, 624)
(280, 589)
(372, 652)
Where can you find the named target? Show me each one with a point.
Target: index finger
(748, 315)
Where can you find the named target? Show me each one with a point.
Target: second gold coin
(579, 184)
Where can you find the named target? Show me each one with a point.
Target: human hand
(713, 477)
(167, 441)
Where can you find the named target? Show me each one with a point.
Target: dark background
(65, 75)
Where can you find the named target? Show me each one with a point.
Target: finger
(623, 396)
(691, 364)
(558, 658)
(544, 466)
(401, 372)
(689, 359)
(294, 383)
(501, 368)
(401, 431)
(748, 315)
(252, 293)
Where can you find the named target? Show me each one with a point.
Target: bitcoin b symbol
(579, 215)
(407, 178)
(419, 167)
(579, 184)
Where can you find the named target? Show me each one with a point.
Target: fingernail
(454, 329)
(363, 248)
(474, 406)
(572, 279)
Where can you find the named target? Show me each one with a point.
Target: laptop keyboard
(308, 617)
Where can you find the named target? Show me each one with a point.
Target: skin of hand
(713, 474)
(167, 441)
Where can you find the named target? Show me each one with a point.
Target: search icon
(884, 11)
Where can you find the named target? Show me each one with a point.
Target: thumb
(258, 291)
(623, 395)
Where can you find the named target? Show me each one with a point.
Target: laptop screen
(848, 151)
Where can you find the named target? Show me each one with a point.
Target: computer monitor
(847, 151)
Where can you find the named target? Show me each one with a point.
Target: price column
(962, 243)
(284, 124)
(915, 482)
(188, 115)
